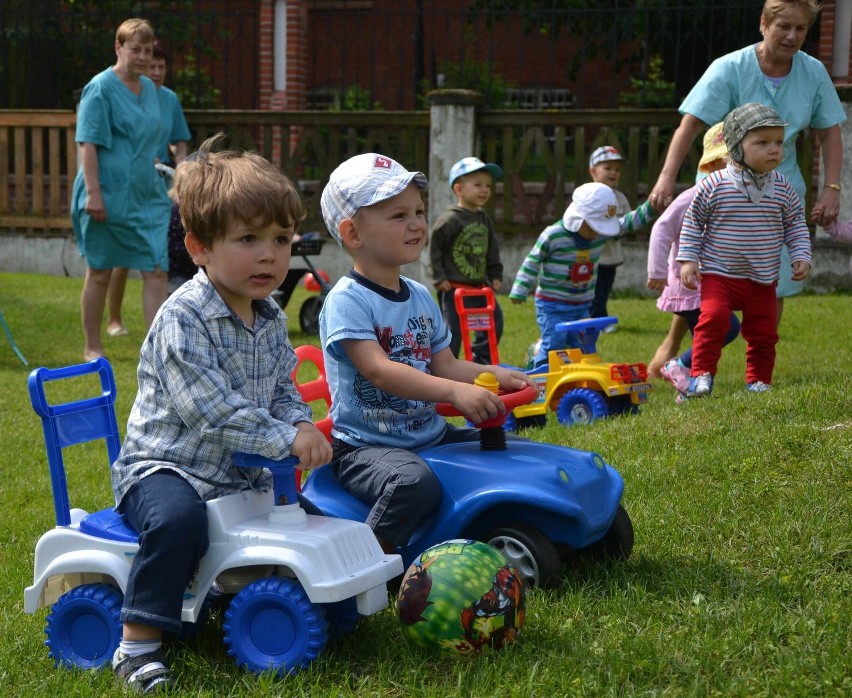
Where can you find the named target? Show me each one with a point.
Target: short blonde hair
(135, 27)
(773, 8)
(218, 189)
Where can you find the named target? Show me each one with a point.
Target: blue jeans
(172, 523)
(603, 287)
(548, 314)
(398, 484)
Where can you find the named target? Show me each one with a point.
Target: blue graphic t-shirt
(409, 327)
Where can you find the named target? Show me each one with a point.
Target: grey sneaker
(758, 387)
(677, 374)
(703, 384)
(147, 673)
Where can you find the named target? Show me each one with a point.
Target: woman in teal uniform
(172, 152)
(120, 207)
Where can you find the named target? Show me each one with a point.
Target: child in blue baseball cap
(465, 252)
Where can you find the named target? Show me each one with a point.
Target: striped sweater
(728, 235)
(565, 264)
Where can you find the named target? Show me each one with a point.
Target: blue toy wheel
(581, 406)
(271, 624)
(342, 617)
(83, 627)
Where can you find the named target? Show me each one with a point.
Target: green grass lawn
(740, 582)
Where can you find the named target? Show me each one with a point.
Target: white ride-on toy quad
(294, 577)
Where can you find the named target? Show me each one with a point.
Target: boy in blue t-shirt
(387, 354)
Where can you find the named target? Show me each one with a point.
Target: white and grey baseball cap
(362, 181)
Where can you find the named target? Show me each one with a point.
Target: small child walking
(664, 271)
(565, 258)
(387, 350)
(605, 166)
(464, 250)
(181, 266)
(731, 243)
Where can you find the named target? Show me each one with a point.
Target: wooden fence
(544, 154)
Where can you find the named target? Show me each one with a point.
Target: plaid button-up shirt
(209, 386)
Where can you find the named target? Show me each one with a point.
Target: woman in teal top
(774, 72)
(172, 151)
(120, 208)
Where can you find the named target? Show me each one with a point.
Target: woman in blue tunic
(774, 72)
(172, 152)
(120, 207)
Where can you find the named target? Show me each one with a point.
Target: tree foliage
(52, 48)
(674, 30)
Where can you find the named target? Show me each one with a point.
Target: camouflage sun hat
(744, 119)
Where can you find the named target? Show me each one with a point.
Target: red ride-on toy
(477, 319)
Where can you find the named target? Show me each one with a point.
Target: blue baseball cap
(467, 165)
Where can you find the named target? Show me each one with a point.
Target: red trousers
(721, 295)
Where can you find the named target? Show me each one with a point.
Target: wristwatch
(836, 187)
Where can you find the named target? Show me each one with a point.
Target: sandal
(147, 673)
(117, 331)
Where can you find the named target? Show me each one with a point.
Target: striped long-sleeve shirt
(727, 234)
(565, 264)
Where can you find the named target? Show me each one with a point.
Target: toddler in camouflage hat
(731, 243)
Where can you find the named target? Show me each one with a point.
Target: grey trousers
(398, 484)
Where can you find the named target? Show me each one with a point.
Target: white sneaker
(703, 384)
(758, 387)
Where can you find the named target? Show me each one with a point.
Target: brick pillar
(287, 91)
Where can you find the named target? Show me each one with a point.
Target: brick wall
(826, 39)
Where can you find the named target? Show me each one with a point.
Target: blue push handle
(283, 480)
(587, 331)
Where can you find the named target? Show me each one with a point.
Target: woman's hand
(95, 206)
(663, 193)
(827, 208)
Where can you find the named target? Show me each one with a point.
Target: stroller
(308, 245)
